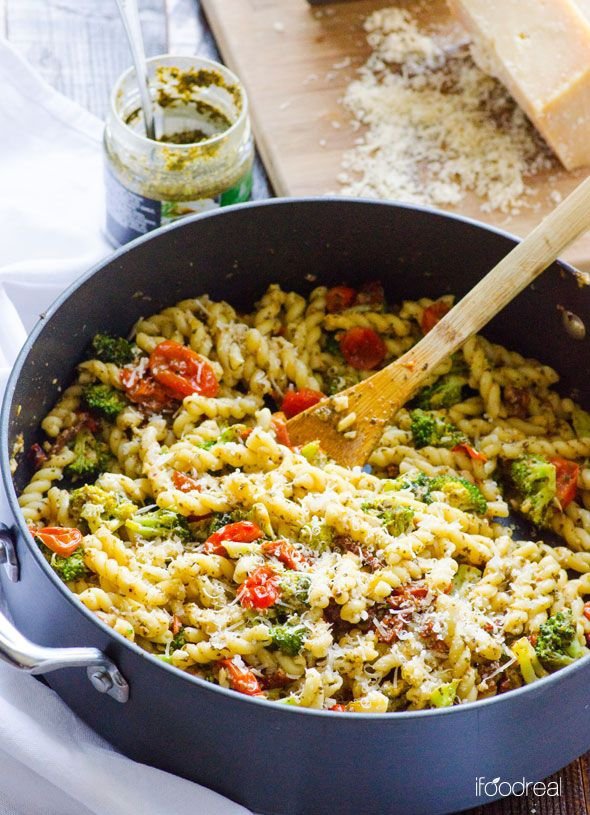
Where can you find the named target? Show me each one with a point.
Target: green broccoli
(581, 423)
(535, 481)
(338, 380)
(317, 535)
(557, 642)
(430, 430)
(444, 695)
(417, 483)
(295, 588)
(332, 345)
(445, 392)
(229, 434)
(396, 519)
(107, 348)
(91, 457)
(68, 568)
(100, 507)
(179, 640)
(528, 661)
(288, 638)
(150, 523)
(465, 576)
(221, 519)
(460, 493)
(104, 400)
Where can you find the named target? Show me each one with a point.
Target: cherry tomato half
(261, 589)
(587, 609)
(145, 391)
(62, 540)
(295, 402)
(241, 678)
(566, 476)
(432, 315)
(286, 553)
(241, 531)
(362, 348)
(181, 371)
(473, 454)
(371, 294)
(338, 708)
(184, 482)
(339, 298)
(280, 429)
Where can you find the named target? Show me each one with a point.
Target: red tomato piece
(184, 482)
(241, 531)
(338, 708)
(241, 678)
(37, 456)
(181, 371)
(432, 315)
(362, 348)
(339, 298)
(587, 610)
(280, 428)
(371, 294)
(175, 625)
(261, 589)
(295, 402)
(286, 553)
(471, 451)
(566, 476)
(145, 391)
(62, 540)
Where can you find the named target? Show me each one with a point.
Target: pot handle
(18, 651)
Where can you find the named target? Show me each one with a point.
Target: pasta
(170, 500)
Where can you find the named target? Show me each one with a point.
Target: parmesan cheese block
(540, 50)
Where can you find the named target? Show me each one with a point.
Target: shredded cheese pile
(437, 126)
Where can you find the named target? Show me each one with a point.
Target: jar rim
(188, 61)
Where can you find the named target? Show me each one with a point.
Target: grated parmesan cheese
(437, 126)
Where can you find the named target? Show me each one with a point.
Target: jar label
(129, 215)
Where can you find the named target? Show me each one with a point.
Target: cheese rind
(540, 50)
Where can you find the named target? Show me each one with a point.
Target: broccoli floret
(465, 576)
(91, 457)
(581, 423)
(229, 434)
(557, 642)
(99, 507)
(444, 695)
(460, 493)
(107, 348)
(396, 519)
(445, 392)
(317, 535)
(418, 483)
(104, 399)
(337, 380)
(528, 662)
(429, 430)
(535, 481)
(288, 638)
(68, 568)
(159, 523)
(179, 640)
(332, 346)
(224, 518)
(295, 588)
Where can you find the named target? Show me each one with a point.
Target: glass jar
(202, 156)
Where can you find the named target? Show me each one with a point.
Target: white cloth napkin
(51, 209)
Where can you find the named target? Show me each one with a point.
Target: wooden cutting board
(296, 61)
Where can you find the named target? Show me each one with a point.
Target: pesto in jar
(202, 156)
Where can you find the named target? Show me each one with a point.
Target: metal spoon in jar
(130, 15)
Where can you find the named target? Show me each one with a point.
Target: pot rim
(539, 686)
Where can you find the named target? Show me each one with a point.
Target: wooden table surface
(79, 47)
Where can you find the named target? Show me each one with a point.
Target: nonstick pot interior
(170, 720)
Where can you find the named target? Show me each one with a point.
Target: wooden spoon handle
(400, 380)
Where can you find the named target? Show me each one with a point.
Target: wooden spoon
(377, 399)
